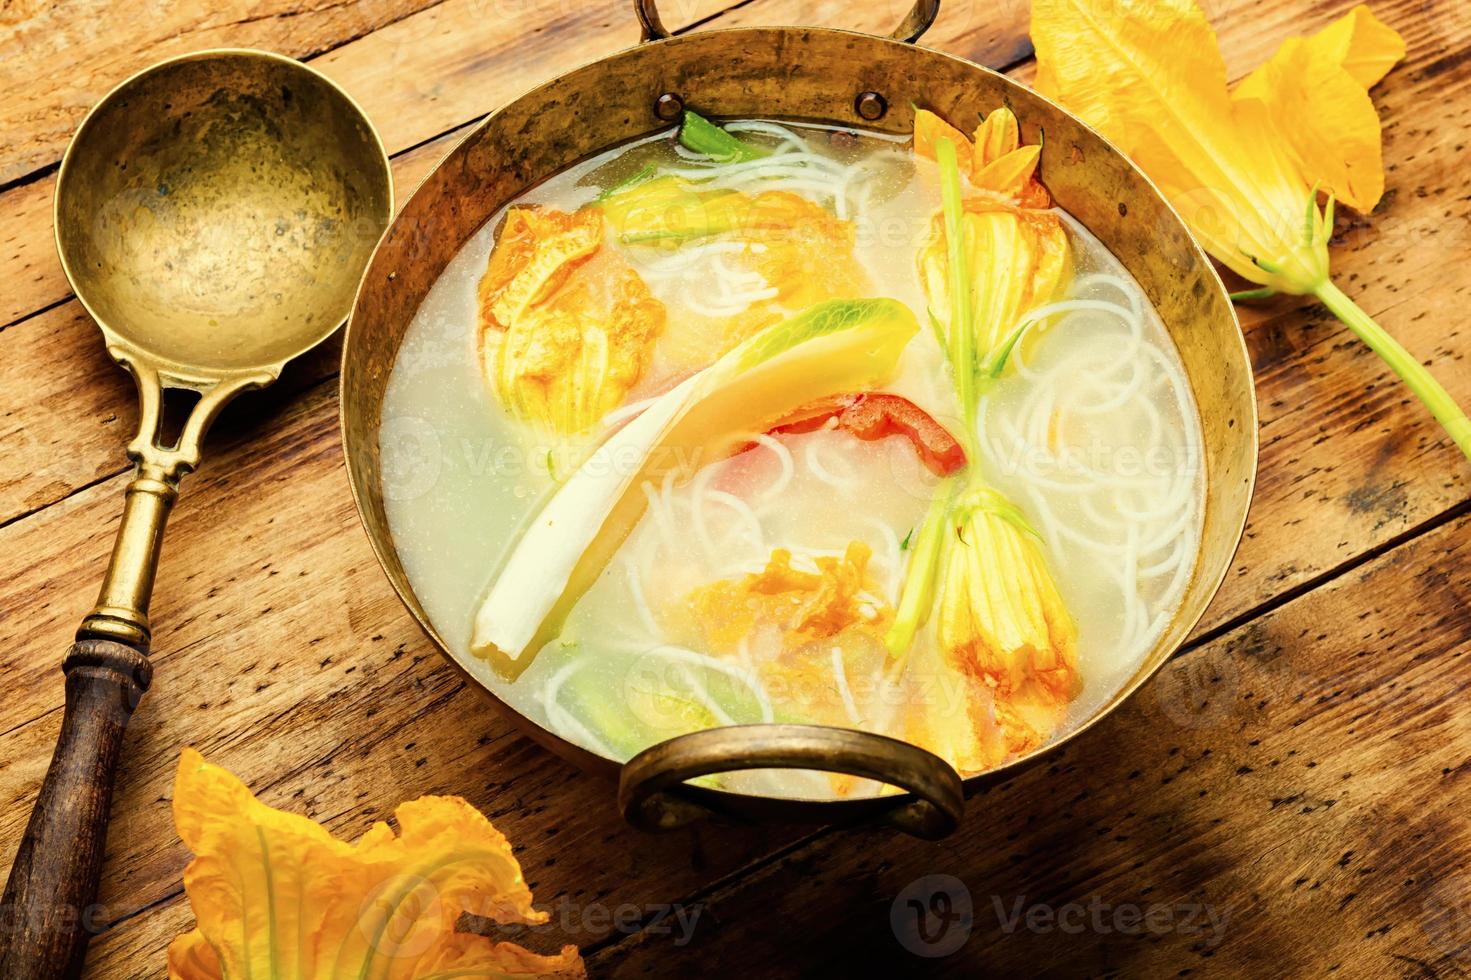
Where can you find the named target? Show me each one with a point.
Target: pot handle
(915, 23)
(646, 781)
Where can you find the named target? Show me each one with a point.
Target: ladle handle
(915, 23)
(48, 909)
(648, 799)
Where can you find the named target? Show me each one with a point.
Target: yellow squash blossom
(275, 895)
(955, 717)
(773, 238)
(831, 623)
(1000, 614)
(1019, 260)
(807, 607)
(996, 163)
(567, 327)
(1243, 166)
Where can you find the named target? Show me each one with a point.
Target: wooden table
(1285, 798)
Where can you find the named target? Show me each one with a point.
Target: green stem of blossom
(916, 594)
(1246, 295)
(1410, 370)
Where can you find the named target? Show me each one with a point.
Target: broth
(1115, 499)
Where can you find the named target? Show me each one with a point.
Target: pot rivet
(871, 106)
(668, 107)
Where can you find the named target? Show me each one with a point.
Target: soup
(775, 422)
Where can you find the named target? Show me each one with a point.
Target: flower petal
(1131, 67)
(997, 136)
(1316, 99)
(567, 327)
(930, 129)
(1010, 174)
(276, 895)
(191, 957)
(1364, 45)
(1148, 75)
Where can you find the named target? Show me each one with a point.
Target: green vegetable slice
(701, 135)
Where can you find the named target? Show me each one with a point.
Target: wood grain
(76, 46)
(1270, 793)
(348, 711)
(51, 891)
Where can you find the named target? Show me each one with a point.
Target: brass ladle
(214, 214)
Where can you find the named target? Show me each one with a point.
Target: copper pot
(847, 79)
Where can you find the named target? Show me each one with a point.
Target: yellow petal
(930, 129)
(535, 251)
(1315, 95)
(1148, 74)
(1130, 67)
(1009, 174)
(1020, 260)
(1001, 616)
(959, 728)
(997, 136)
(191, 957)
(276, 895)
(807, 607)
(1001, 623)
(1364, 45)
(567, 327)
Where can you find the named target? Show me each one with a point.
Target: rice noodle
(892, 559)
(784, 460)
(689, 658)
(822, 472)
(640, 602)
(840, 676)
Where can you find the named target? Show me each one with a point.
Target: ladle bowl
(213, 214)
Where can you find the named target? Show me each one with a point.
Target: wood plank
(81, 50)
(1292, 778)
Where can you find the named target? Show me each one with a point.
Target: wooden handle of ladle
(49, 912)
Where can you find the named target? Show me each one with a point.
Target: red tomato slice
(872, 415)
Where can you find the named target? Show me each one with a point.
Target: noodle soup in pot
(768, 422)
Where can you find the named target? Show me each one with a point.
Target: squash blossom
(772, 239)
(567, 327)
(1000, 614)
(1243, 166)
(977, 567)
(275, 895)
